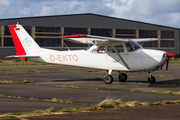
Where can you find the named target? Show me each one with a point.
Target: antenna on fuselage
(66, 46)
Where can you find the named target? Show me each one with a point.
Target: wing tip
(74, 36)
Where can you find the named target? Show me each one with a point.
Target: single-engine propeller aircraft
(112, 54)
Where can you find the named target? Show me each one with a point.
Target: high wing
(92, 39)
(145, 40)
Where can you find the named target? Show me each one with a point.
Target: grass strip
(78, 87)
(82, 87)
(174, 61)
(163, 76)
(47, 100)
(104, 105)
(16, 82)
(22, 63)
(161, 92)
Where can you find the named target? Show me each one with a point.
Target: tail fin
(23, 42)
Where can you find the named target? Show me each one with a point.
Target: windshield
(132, 46)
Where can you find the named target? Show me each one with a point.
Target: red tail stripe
(19, 48)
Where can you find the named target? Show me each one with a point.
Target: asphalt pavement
(49, 79)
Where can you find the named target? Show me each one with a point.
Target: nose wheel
(122, 77)
(151, 79)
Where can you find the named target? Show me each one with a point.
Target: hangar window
(48, 29)
(73, 31)
(48, 42)
(150, 44)
(167, 34)
(167, 43)
(8, 41)
(101, 32)
(122, 33)
(147, 34)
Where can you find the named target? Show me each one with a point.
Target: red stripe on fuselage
(74, 36)
(19, 48)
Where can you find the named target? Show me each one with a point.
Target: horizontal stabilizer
(27, 56)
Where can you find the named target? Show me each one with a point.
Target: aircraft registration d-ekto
(112, 54)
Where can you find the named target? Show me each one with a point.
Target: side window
(119, 48)
(110, 50)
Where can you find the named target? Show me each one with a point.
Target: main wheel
(122, 77)
(108, 79)
(151, 80)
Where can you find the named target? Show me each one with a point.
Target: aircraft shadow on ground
(175, 83)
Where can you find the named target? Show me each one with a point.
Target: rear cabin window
(118, 47)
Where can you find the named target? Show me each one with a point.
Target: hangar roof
(87, 20)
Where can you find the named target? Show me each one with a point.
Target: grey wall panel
(6, 51)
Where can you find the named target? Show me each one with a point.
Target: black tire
(122, 77)
(152, 80)
(108, 79)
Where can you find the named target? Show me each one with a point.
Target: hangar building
(46, 31)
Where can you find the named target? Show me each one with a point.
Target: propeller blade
(167, 63)
(168, 55)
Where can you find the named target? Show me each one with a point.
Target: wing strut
(118, 55)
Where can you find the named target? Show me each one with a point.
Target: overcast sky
(162, 12)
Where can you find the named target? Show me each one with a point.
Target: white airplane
(112, 54)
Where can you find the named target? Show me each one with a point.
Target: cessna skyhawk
(112, 54)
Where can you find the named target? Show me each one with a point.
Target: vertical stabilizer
(23, 42)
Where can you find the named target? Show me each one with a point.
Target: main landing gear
(151, 79)
(108, 79)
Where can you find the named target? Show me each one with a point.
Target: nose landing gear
(151, 79)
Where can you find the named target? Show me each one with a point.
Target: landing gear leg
(151, 79)
(108, 79)
(122, 77)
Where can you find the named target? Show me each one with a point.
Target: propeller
(168, 55)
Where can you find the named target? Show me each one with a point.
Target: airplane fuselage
(139, 60)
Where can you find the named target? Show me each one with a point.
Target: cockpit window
(132, 46)
(87, 48)
(100, 50)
